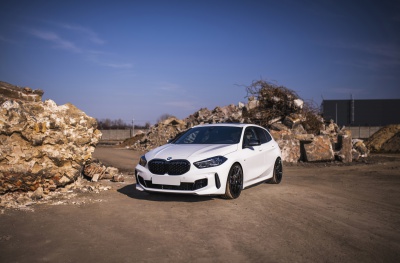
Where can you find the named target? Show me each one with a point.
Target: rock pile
(42, 145)
(97, 171)
(387, 139)
(295, 142)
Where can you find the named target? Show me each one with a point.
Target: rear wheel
(278, 172)
(234, 183)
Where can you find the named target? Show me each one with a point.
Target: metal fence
(363, 132)
(115, 135)
(119, 135)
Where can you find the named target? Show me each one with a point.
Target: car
(212, 159)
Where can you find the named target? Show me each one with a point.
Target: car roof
(227, 124)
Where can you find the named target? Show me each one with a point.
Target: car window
(249, 134)
(263, 135)
(191, 137)
(211, 135)
(267, 135)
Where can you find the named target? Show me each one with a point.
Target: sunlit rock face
(41, 144)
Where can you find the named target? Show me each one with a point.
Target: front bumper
(209, 181)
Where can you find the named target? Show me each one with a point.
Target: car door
(267, 149)
(253, 158)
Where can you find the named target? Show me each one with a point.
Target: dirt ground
(319, 213)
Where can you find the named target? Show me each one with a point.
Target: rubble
(42, 145)
(359, 150)
(301, 134)
(387, 139)
(95, 170)
(60, 196)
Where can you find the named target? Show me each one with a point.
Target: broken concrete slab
(320, 149)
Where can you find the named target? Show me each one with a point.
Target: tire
(234, 182)
(278, 172)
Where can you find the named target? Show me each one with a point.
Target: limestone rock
(298, 103)
(252, 103)
(360, 148)
(95, 177)
(304, 137)
(320, 149)
(97, 171)
(40, 141)
(278, 126)
(118, 178)
(94, 169)
(292, 120)
(25, 94)
(281, 135)
(110, 172)
(37, 194)
(345, 146)
(290, 150)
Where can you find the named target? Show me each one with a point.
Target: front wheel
(234, 183)
(278, 171)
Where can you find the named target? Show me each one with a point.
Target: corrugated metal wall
(366, 112)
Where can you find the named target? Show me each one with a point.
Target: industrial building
(376, 112)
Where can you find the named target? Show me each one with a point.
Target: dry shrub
(275, 102)
(312, 119)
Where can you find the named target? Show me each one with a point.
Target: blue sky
(142, 59)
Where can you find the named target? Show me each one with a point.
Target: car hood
(192, 152)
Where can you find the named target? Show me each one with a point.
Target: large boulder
(41, 144)
(290, 150)
(345, 146)
(318, 150)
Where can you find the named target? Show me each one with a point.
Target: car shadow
(130, 191)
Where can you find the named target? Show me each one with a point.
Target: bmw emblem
(169, 158)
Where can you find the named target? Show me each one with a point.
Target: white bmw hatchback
(212, 159)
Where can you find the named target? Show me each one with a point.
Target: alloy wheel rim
(236, 181)
(278, 169)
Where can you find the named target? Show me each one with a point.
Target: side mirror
(252, 143)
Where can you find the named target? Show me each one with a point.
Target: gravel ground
(319, 213)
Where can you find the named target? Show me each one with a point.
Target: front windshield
(211, 135)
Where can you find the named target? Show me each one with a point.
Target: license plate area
(167, 180)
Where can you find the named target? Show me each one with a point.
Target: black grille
(174, 167)
(158, 166)
(182, 187)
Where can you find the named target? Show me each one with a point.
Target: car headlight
(210, 162)
(143, 161)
